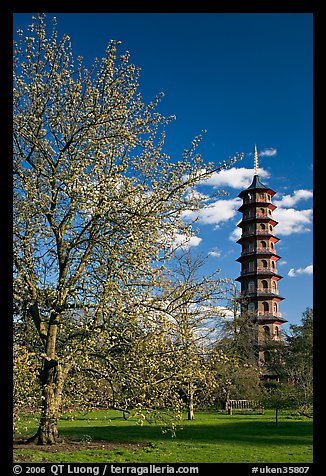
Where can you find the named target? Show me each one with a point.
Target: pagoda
(259, 277)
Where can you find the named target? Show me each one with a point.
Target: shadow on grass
(255, 433)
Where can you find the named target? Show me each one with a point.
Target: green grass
(210, 438)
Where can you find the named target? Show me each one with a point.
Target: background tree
(192, 307)
(299, 359)
(237, 379)
(97, 202)
(278, 396)
(291, 360)
(275, 353)
(239, 330)
(236, 359)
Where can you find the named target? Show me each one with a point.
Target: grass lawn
(105, 437)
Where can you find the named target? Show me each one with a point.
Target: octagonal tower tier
(259, 277)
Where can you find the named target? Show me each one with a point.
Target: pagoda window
(269, 212)
(265, 306)
(251, 265)
(277, 331)
(270, 228)
(275, 307)
(251, 286)
(251, 307)
(262, 226)
(262, 211)
(272, 245)
(264, 263)
(274, 287)
(268, 197)
(264, 284)
(261, 196)
(273, 264)
(267, 331)
(263, 244)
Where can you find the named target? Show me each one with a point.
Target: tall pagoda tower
(259, 277)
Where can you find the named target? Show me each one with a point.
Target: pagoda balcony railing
(262, 249)
(259, 291)
(269, 314)
(256, 199)
(256, 232)
(263, 232)
(258, 250)
(265, 214)
(259, 270)
(263, 269)
(263, 340)
(256, 215)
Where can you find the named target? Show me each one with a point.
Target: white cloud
(215, 253)
(239, 178)
(236, 234)
(215, 213)
(186, 242)
(294, 272)
(281, 262)
(269, 152)
(291, 200)
(292, 221)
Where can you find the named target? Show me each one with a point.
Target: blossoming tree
(97, 202)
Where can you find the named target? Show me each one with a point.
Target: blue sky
(246, 78)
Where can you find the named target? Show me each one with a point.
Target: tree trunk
(276, 416)
(53, 379)
(190, 402)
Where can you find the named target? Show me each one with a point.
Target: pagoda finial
(256, 160)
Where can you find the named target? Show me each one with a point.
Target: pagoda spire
(256, 160)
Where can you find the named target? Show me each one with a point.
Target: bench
(243, 406)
